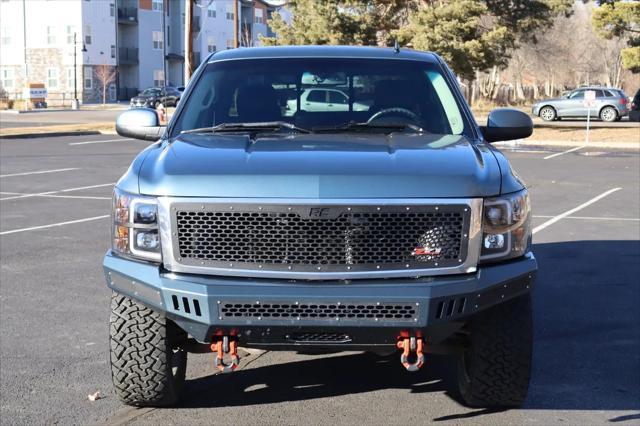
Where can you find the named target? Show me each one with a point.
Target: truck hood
(352, 165)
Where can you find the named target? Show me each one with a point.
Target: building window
(169, 35)
(70, 32)
(112, 10)
(156, 5)
(230, 10)
(113, 51)
(7, 78)
(52, 78)
(259, 17)
(211, 44)
(87, 34)
(230, 43)
(88, 78)
(211, 10)
(158, 78)
(157, 40)
(51, 35)
(5, 38)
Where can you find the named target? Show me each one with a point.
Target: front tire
(146, 366)
(495, 369)
(548, 113)
(608, 114)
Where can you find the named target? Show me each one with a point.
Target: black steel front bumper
(264, 312)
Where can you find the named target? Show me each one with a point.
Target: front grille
(376, 312)
(320, 238)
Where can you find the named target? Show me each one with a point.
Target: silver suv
(610, 105)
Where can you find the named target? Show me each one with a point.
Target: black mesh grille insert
(318, 311)
(321, 238)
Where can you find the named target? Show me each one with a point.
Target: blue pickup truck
(259, 221)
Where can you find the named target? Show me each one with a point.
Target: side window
(608, 94)
(317, 96)
(600, 94)
(336, 97)
(578, 94)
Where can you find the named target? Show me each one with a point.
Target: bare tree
(106, 75)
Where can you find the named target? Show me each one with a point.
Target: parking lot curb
(54, 134)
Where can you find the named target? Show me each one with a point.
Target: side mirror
(505, 124)
(140, 123)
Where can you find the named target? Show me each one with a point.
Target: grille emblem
(426, 251)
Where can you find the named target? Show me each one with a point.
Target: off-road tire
(548, 113)
(495, 369)
(608, 114)
(146, 368)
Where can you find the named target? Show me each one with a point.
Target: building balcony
(127, 56)
(127, 15)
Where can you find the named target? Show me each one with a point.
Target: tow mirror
(140, 123)
(505, 124)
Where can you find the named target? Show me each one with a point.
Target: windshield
(149, 92)
(323, 93)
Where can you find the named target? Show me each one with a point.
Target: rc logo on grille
(426, 251)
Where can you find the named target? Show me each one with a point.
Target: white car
(319, 100)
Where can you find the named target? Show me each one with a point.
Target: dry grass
(621, 134)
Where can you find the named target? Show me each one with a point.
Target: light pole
(76, 104)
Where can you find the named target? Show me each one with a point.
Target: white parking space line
(572, 211)
(15, 197)
(564, 152)
(633, 219)
(34, 228)
(39, 172)
(78, 197)
(103, 141)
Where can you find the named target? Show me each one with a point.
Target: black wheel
(548, 113)
(146, 366)
(608, 114)
(495, 369)
(156, 104)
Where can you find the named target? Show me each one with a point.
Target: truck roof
(322, 52)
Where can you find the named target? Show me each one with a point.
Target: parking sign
(589, 98)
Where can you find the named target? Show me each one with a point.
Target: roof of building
(322, 52)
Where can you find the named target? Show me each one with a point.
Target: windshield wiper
(247, 127)
(364, 126)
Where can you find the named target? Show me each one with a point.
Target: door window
(578, 94)
(317, 96)
(336, 97)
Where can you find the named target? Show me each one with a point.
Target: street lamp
(76, 104)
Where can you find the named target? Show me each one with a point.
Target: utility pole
(235, 24)
(165, 36)
(188, 40)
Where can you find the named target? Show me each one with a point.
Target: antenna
(396, 46)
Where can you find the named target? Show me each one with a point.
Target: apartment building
(120, 45)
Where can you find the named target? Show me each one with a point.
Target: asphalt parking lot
(54, 308)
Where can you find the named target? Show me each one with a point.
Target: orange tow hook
(226, 346)
(408, 344)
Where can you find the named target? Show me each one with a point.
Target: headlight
(135, 226)
(506, 227)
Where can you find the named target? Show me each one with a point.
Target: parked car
(325, 99)
(154, 96)
(610, 105)
(396, 228)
